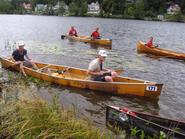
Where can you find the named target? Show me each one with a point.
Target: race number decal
(151, 88)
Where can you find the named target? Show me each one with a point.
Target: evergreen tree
(118, 7)
(107, 7)
(139, 10)
(6, 7)
(62, 8)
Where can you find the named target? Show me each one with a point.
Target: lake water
(42, 36)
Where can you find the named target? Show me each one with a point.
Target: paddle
(43, 68)
(63, 37)
(54, 70)
(119, 71)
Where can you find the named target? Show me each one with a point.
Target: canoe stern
(153, 90)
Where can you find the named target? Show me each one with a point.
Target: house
(93, 8)
(27, 6)
(173, 8)
(40, 8)
(160, 17)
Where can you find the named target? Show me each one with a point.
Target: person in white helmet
(19, 56)
(97, 72)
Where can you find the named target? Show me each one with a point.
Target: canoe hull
(125, 86)
(86, 39)
(141, 48)
(125, 119)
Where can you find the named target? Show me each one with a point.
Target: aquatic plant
(142, 135)
(134, 131)
(10, 76)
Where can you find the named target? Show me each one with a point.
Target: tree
(5, 7)
(175, 17)
(182, 5)
(130, 11)
(118, 7)
(107, 6)
(83, 10)
(68, 2)
(139, 10)
(62, 8)
(73, 8)
(155, 6)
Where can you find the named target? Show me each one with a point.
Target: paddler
(97, 72)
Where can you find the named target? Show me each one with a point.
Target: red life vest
(95, 35)
(150, 43)
(73, 32)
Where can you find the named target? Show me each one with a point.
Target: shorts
(101, 77)
(27, 64)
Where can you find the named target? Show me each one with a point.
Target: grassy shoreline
(23, 114)
(38, 119)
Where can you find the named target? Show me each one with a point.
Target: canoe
(141, 48)
(87, 39)
(76, 77)
(151, 125)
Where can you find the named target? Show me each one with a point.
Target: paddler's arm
(107, 70)
(13, 59)
(13, 54)
(94, 73)
(28, 57)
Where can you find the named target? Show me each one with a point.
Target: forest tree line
(137, 9)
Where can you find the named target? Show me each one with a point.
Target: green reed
(38, 119)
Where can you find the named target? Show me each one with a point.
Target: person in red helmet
(73, 32)
(96, 34)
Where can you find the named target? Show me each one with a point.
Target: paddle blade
(63, 37)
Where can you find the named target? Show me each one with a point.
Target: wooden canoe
(87, 39)
(141, 48)
(76, 77)
(151, 125)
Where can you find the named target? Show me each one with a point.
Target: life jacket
(150, 43)
(95, 35)
(73, 32)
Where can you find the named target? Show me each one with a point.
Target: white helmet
(102, 53)
(21, 43)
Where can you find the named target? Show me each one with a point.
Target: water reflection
(91, 105)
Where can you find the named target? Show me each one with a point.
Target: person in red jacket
(96, 34)
(150, 42)
(73, 32)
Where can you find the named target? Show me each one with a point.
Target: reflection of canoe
(141, 48)
(78, 78)
(88, 39)
(150, 124)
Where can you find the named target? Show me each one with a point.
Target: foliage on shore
(38, 119)
(25, 115)
(130, 9)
